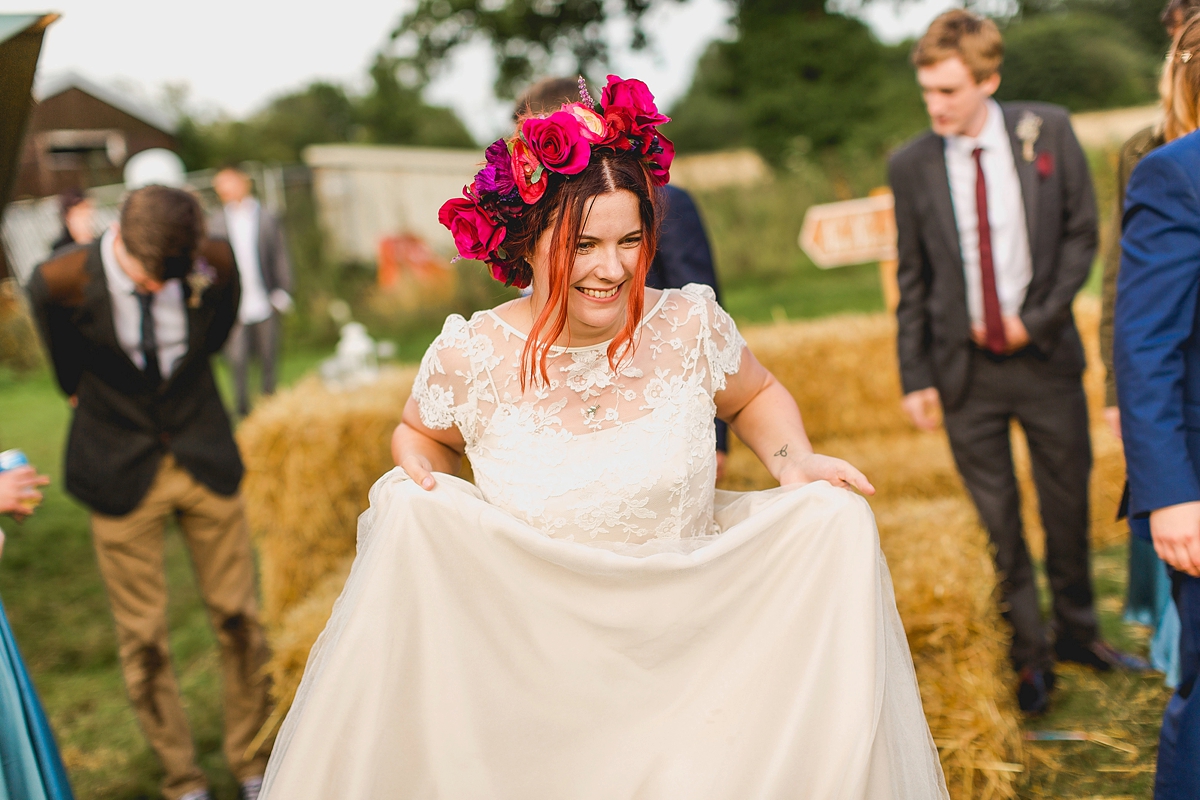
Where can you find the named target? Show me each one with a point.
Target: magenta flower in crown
(631, 100)
(518, 171)
(476, 234)
(497, 176)
(559, 142)
(659, 153)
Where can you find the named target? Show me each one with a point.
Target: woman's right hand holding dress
(421, 451)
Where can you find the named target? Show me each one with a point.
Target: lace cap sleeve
(720, 338)
(443, 387)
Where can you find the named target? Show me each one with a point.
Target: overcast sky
(237, 54)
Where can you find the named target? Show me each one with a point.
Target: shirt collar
(247, 206)
(994, 134)
(118, 281)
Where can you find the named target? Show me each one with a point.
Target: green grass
(1124, 708)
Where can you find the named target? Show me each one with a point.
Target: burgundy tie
(996, 341)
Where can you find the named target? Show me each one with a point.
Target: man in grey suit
(261, 251)
(997, 230)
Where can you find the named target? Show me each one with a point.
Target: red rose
(635, 101)
(1045, 164)
(528, 173)
(659, 152)
(559, 142)
(618, 122)
(475, 233)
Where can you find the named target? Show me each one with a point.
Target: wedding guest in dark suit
(131, 322)
(684, 255)
(266, 274)
(997, 229)
(1156, 348)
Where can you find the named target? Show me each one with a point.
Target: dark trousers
(1052, 410)
(1179, 742)
(260, 342)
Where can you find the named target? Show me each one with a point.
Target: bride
(591, 619)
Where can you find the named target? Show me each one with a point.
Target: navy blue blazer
(684, 257)
(1156, 340)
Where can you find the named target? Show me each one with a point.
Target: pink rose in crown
(660, 152)
(530, 176)
(592, 125)
(631, 99)
(475, 233)
(559, 142)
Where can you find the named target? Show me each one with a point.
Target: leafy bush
(1078, 60)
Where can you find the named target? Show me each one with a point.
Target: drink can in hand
(11, 459)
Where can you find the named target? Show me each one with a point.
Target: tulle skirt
(471, 656)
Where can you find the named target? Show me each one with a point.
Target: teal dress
(30, 766)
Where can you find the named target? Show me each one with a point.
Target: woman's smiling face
(606, 260)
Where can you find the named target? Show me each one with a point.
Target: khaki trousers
(130, 552)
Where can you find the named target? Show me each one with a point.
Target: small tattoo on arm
(782, 452)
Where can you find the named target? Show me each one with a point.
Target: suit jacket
(123, 425)
(1133, 151)
(684, 257)
(272, 248)
(683, 254)
(934, 328)
(1156, 342)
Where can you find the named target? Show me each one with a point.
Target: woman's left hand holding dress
(764, 415)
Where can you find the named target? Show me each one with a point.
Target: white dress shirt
(1011, 258)
(170, 313)
(242, 221)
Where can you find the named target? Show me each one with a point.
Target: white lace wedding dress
(590, 620)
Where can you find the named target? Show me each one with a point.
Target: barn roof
(54, 85)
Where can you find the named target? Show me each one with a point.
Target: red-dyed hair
(563, 208)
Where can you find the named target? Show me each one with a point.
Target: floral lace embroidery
(591, 454)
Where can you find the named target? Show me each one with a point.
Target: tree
(322, 113)
(394, 113)
(524, 34)
(797, 79)
(1079, 60)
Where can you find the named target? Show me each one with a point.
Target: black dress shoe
(1033, 691)
(1100, 656)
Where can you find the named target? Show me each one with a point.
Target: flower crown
(519, 169)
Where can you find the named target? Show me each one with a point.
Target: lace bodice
(594, 455)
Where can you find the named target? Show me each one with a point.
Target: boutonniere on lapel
(1029, 128)
(199, 279)
(1045, 164)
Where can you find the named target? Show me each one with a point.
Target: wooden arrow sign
(850, 232)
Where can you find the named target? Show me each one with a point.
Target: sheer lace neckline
(646, 317)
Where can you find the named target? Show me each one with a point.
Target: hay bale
(946, 594)
(20, 348)
(311, 456)
(842, 371)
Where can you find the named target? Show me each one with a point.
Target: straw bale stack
(945, 591)
(311, 456)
